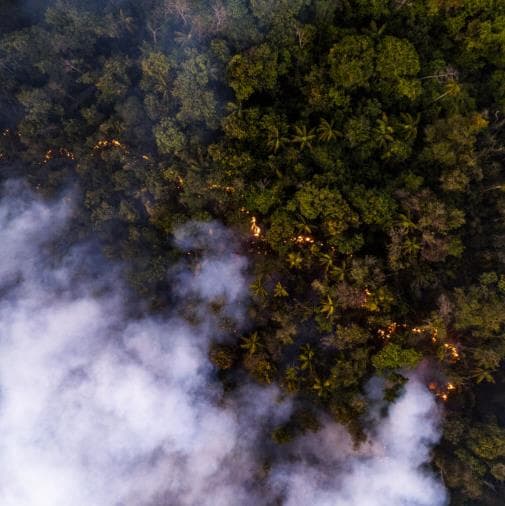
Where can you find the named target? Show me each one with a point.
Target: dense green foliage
(365, 137)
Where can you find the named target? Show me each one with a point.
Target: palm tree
(126, 22)
(251, 344)
(411, 246)
(480, 375)
(234, 109)
(257, 287)
(384, 131)
(306, 357)
(279, 290)
(303, 227)
(321, 387)
(295, 260)
(406, 223)
(409, 125)
(291, 378)
(339, 272)
(452, 88)
(326, 260)
(327, 132)
(328, 307)
(303, 138)
(274, 139)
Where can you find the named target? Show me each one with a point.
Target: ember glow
(215, 186)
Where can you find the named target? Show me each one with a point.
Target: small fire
(452, 351)
(393, 327)
(426, 330)
(255, 229)
(61, 153)
(215, 186)
(105, 143)
(365, 296)
(388, 331)
(441, 391)
(101, 144)
(303, 239)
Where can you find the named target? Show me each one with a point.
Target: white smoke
(387, 471)
(101, 409)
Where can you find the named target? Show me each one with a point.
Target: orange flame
(255, 229)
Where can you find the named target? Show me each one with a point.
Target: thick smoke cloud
(98, 408)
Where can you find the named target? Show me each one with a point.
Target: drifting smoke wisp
(100, 409)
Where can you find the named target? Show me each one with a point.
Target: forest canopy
(354, 146)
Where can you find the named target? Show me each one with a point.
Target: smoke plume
(100, 408)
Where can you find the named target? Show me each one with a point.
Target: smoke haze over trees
(104, 409)
(252, 252)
